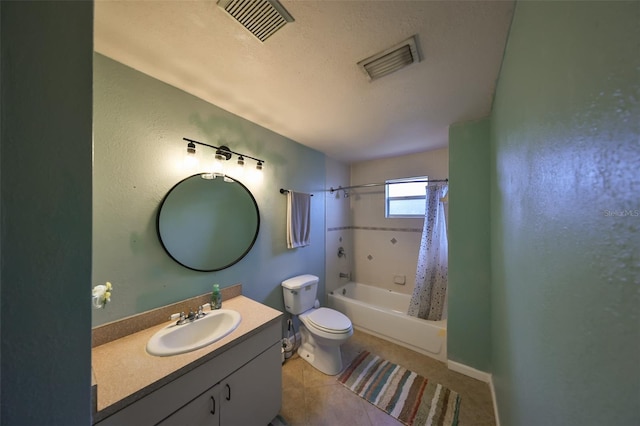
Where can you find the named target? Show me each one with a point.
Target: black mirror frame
(255, 237)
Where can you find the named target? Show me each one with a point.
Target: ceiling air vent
(261, 17)
(391, 59)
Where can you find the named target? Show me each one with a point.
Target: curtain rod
(367, 185)
(286, 191)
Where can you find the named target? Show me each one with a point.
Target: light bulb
(218, 165)
(237, 170)
(190, 160)
(254, 175)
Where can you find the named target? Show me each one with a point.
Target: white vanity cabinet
(204, 410)
(240, 386)
(252, 395)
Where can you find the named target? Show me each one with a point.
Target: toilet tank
(300, 293)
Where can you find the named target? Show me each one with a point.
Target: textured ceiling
(304, 83)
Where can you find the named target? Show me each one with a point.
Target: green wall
(139, 123)
(565, 216)
(469, 292)
(45, 225)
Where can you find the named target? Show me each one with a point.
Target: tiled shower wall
(385, 251)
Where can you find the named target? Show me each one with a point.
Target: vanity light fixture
(190, 160)
(222, 155)
(191, 148)
(238, 170)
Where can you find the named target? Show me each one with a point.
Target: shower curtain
(428, 300)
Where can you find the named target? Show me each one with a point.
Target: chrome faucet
(192, 315)
(201, 311)
(182, 318)
(343, 275)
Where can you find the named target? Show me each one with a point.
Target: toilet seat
(329, 321)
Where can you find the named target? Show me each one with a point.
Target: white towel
(298, 219)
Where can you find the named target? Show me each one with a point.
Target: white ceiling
(304, 83)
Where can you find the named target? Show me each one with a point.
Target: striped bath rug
(403, 394)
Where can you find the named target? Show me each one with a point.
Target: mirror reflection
(208, 224)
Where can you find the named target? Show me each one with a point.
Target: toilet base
(327, 359)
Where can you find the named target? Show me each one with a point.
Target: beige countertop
(125, 372)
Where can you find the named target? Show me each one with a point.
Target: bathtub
(383, 313)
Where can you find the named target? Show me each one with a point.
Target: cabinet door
(252, 395)
(204, 410)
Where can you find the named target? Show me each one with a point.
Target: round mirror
(208, 224)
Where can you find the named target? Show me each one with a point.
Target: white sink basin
(178, 339)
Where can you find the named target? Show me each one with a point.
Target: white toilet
(323, 330)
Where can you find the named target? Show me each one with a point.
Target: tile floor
(312, 398)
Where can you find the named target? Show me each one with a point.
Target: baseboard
(469, 371)
(478, 375)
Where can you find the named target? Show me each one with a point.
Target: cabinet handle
(228, 392)
(213, 405)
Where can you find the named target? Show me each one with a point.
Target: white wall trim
(495, 401)
(469, 371)
(478, 375)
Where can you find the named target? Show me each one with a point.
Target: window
(406, 197)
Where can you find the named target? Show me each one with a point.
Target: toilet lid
(329, 320)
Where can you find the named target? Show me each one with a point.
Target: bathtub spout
(343, 275)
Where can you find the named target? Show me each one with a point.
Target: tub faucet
(343, 275)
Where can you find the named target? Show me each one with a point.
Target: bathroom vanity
(236, 380)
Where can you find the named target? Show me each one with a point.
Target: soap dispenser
(216, 297)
